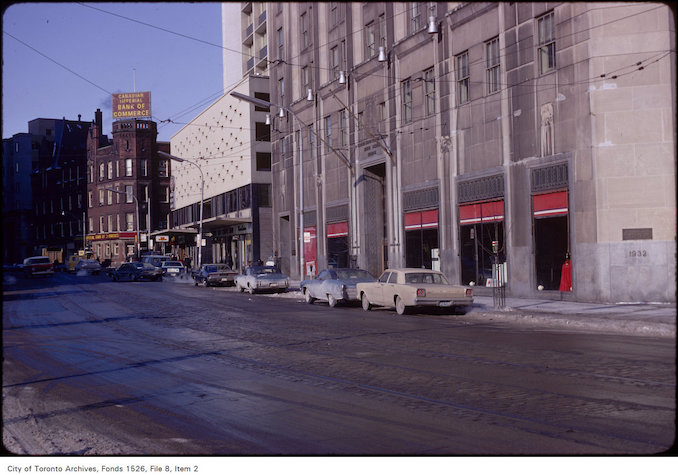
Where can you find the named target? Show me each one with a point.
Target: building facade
(128, 189)
(517, 139)
(229, 145)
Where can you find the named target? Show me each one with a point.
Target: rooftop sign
(131, 104)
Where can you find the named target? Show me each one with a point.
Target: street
(99, 367)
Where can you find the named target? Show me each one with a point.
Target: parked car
(335, 285)
(136, 271)
(214, 274)
(91, 266)
(38, 265)
(262, 279)
(404, 288)
(173, 269)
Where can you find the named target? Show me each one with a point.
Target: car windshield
(172, 264)
(265, 270)
(425, 278)
(39, 260)
(223, 267)
(353, 274)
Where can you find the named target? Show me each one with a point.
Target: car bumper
(440, 302)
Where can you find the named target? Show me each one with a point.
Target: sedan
(137, 271)
(407, 288)
(214, 274)
(90, 266)
(262, 279)
(173, 269)
(335, 285)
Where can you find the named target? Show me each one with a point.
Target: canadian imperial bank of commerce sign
(127, 105)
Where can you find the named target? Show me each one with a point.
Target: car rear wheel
(400, 306)
(366, 303)
(250, 290)
(332, 300)
(307, 297)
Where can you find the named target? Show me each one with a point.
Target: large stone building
(128, 188)
(456, 135)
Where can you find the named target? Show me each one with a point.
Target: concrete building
(539, 137)
(128, 188)
(227, 150)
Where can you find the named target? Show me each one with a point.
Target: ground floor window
(481, 229)
(337, 245)
(421, 239)
(551, 237)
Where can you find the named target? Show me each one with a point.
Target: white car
(262, 279)
(173, 269)
(407, 288)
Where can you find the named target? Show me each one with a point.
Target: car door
(319, 285)
(389, 289)
(378, 295)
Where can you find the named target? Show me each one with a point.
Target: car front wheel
(366, 303)
(307, 297)
(332, 300)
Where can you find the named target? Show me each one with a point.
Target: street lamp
(202, 197)
(136, 209)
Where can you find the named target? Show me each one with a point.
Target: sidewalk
(644, 319)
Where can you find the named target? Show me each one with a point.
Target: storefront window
(421, 239)
(481, 225)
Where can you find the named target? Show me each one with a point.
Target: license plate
(445, 304)
(224, 279)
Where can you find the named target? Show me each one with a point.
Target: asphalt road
(165, 368)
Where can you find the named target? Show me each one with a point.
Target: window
(430, 91)
(110, 170)
(129, 194)
(116, 248)
(328, 133)
(263, 132)
(89, 199)
(334, 61)
(415, 19)
(281, 44)
(370, 47)
(305, 80)
(492, 65)
(334, 13)
(343, 134)
(546, 54)
(102, 170)
(144, 194)
(263, 161)
(407, 101)
(101, 224)
(144, 167)
(462, 78)
(109, 218)
(382, 31)
(165, 194)
(304, 30)
(101, 197)
(110, 197)
(117, 168)
(129, 221)
(281, 88)
(128, 167)
(90, 225)
(90, 169)
(117, 222)
(162, 168)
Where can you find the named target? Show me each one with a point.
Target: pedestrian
(566, 275)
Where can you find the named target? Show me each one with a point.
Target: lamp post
(136, 209)
(202, 197)
(267, 104)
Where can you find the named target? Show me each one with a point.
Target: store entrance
(550, 239)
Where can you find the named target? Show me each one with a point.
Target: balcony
(248, 37)
(250, 64)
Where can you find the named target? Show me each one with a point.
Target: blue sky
(105, 53)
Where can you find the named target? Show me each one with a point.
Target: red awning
(482, 212)
(337, 229)
(550, 204)
(421, 219)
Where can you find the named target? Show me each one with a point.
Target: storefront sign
(105, 236)
(162, 238)
(131, 104)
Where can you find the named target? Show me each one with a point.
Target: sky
(64, 59)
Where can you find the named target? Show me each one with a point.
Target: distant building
(126, 181)
(19, 159)
(58, 185)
